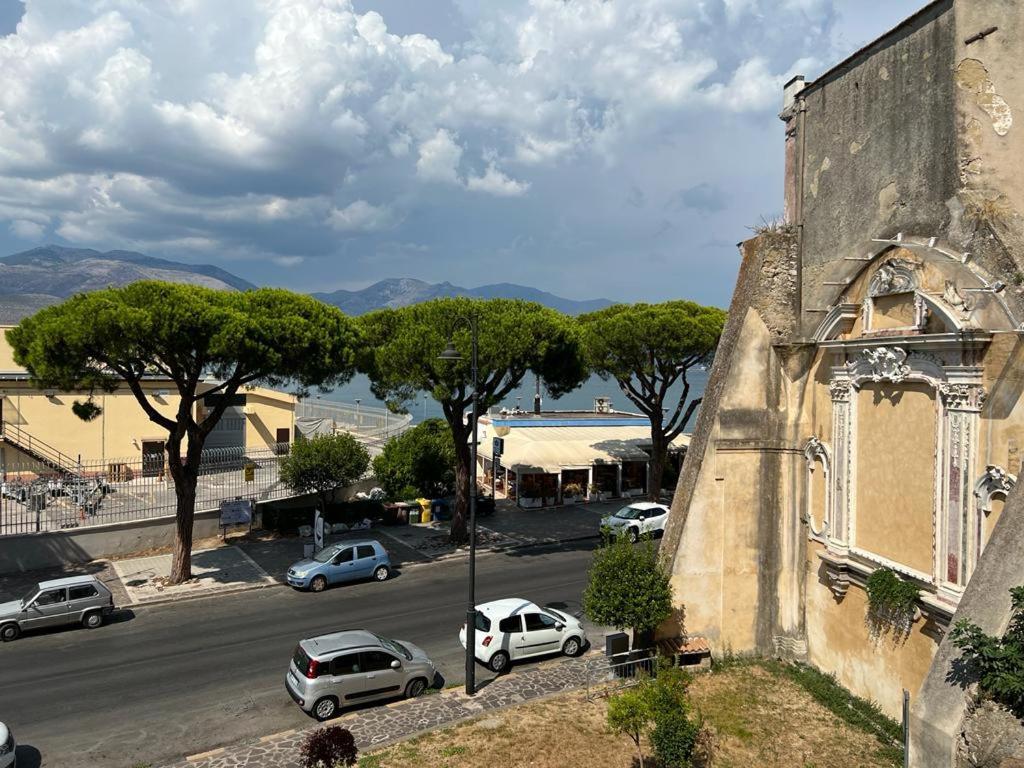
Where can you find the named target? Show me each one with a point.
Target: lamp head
(450, 352)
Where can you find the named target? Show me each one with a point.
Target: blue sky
(615, 148)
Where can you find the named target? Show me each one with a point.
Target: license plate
(294, 679)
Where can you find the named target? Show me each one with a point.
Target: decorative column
(961, 405)
(842, 471)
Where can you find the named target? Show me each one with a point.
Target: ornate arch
(995, 481)
(815, 452)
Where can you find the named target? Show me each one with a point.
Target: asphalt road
(181, 679)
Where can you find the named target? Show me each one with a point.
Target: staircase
(45, 454)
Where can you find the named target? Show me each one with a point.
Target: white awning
(552, 449)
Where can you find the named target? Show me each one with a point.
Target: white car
(512, 629)
(7, 748)
(639, 518)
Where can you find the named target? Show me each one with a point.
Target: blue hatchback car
(344, 561)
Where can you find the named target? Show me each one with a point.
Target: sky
(591, 148)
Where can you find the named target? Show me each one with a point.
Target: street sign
(497, 446)
(237, 512)
(250, 472)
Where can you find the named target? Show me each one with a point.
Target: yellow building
(35, 421)
(865, 410)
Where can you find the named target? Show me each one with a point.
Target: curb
(207, 596)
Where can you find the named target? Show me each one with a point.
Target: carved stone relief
(884, 364)
(894, 276)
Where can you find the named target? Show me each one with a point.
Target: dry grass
(758, 719)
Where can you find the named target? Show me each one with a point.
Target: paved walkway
(225, 569)
(377, 726)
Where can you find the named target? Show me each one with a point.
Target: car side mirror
(559, 626)
(642, 518)
(396, 664)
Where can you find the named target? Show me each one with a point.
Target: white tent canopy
(543, 449)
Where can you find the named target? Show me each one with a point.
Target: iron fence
(36, 496)
(608, 674)
(369, 423)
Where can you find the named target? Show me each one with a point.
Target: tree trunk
(459, 533)
(185, 490)
(659, 453)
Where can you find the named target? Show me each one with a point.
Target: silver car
(349, 667)
(76, 600)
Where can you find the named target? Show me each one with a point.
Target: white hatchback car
(512, 629)
(7, 748)
(637, 519)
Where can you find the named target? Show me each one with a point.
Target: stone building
(866, 407)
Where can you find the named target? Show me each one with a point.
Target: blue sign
(497, 447)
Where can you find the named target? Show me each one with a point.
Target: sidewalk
(377, 726)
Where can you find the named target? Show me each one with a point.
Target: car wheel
(9, 632)
(92, 620)
(415, 688)
(318, 584)
(499, 662)
(634, 535)
(572, 647)
(325, 708)
(382, 573)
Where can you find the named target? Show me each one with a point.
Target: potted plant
(597, 493)
(571, 493)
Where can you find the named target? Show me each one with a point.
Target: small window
(345, 556)
(376, 661)
(365, 550)
(83, 593)
(483, 624)
(52, 597)
(537, 622)
(511, 624)
(346, 664)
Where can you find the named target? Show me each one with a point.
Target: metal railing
(35, 497)
(366, 422)
(608, 674)
(44, 452)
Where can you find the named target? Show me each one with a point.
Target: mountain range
(36, 278)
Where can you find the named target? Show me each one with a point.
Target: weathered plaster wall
(880, 151)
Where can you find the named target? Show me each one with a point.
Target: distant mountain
(36, 278)
(401, 292)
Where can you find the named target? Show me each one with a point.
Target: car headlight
(8, 746)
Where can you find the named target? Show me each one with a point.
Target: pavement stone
(213, 570)
(377, 726)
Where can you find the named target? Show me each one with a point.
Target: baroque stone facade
(871, 417)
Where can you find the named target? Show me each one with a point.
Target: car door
(343, 566)
(381, 680)
(512, 636)
(348, 681)
(657, 519)
(49, 609)
(541, 635)
(366, 561)
(81, 599)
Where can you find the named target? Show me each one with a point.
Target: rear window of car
(483, 624)
(364, 550)
(511, 624)
(301, 659)
(81, 593)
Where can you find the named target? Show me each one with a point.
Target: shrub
(572, 489)
(673, 739)
(996, 663)
(629, 713)
(892, 603)
(329, 747)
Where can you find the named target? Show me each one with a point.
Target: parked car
(76, 600)
(7, 748)
(512, 629)
(344, 561)
(331, 671)
(637, 519)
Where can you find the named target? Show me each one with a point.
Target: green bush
(892, 603)
(997, 664)
(420, 462)
(673, 739)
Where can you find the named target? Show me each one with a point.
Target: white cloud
(439, 158)
(497, 183)
(360, 216)
(265, 127)
(27, 230)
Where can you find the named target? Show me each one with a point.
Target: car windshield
(326, 554)
(628, 513)
(395, 647)
(28, 596)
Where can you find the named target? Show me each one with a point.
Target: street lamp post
(451, 353)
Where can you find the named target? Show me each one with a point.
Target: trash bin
(425, 516)
(414, 516)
